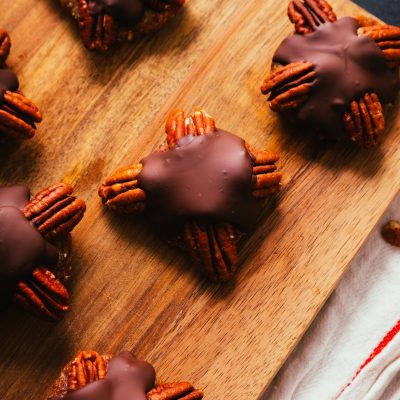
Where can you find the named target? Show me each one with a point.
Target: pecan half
(18, 116)
(289, 85)
(365, 123)
(213, 248)
(44, 294)
(87, 367)
(54, 211)
(307, 15)
(175, 391)
(5, 45)
(120, 191)
(98, 32)
(266, 179)
(391, 232)
(387, 37)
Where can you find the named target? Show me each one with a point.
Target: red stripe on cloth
(378, 349)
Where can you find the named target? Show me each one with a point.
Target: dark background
(386, 10)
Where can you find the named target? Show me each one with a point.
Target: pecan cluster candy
(35, 247)
(104, 22)
(18, 114)
(91, 376)
(333, 75)
(201, 188)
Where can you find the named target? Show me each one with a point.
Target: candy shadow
(270, 219)
(333, 155)
(128, 54)
(19, 160)
(136, 229)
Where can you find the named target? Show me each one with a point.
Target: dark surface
(387, 10)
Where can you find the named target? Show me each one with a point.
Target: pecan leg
(266, 180)
(387, 38)
(175, 391)
(289, 85)
(120, 191)
(98, 32)
(177, 126)
(44, 294)
(18, 116)
(307, 15)
(54, 211)
(213, 248)
(365, 122)
(87, 367)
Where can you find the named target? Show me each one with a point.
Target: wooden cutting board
(131, 291)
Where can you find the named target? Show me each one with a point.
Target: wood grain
(129, 290)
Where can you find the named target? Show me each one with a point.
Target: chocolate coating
(207, 177)
(22, 247)
(347, 66)
(8, 81)
(126, 12)
(126, 378)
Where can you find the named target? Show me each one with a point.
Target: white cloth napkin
(352, 350)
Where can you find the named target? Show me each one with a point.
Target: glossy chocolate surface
(347, 66)
(22, 247)
(207, 177)
(126, 12)
(8, 81)
(127, 379)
